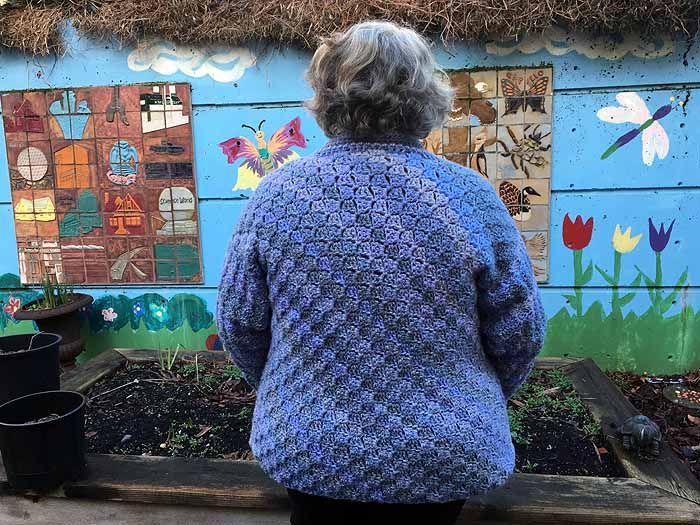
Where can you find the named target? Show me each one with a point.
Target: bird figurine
(517, 201)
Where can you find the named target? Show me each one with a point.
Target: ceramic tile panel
(103, 184)
(501, 127)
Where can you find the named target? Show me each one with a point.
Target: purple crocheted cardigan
(382, 302)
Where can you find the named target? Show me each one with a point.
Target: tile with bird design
(533, 218)
(507, 114)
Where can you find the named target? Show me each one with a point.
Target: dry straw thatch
(33, 26)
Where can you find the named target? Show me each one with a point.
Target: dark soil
(146, 410)
(680, 426)
(554, 433)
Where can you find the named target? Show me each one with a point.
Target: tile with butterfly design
(501, 127)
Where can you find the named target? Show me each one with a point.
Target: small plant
(232, 372)
(592, 428)
(167, 357)
(517, 427)
(192, 369)
(245, 412)
(528, 466)
(55, 294)
(178, 436)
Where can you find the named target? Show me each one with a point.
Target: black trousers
(318, 510)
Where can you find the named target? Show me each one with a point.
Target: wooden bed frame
(139, 489)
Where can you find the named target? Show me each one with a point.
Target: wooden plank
(542, 499)
(611, 408)
(138, 355)
(190, 481)
(632, 502)
(242, 484)
(81, 378)
(15, 510)
(550, 363)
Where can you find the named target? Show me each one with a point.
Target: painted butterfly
(264, 156)
(532, 96)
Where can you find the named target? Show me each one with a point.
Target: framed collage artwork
(501, 127)
(103, 184)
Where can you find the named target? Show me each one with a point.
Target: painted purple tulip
(658, 239)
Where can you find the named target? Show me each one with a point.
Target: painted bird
(517, 201)
(477, 160)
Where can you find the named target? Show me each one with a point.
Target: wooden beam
(81, 378)
(16, 510)
(542, 499)
(138, 355)
(550, 363)
(527, 498)
(611, 408)
(189, 481)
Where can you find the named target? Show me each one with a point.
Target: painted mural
(633, 110)
(501, 127)
(557, 41)
(607, 328)
(220, 63)
(262, 156)
(102, 184)
(627, 300)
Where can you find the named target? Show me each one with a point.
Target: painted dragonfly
(632, 109)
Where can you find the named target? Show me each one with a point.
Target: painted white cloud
(223, 64)
(560, 42)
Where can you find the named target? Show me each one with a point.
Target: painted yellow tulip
(624, 242)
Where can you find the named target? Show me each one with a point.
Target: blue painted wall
(619, 190)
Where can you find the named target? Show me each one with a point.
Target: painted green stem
(578, 281)
(617, 264)
(658, 281)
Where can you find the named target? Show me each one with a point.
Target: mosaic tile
(501, 127)
(88, 199)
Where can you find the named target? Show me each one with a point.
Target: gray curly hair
(374, 79)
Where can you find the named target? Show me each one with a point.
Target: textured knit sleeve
(511, 316)
(243, 306)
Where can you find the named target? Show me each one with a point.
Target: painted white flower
(109, 315)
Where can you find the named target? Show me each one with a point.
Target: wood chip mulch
(680, 425)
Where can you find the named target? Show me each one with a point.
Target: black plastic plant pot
(29, 363)
(42, 439)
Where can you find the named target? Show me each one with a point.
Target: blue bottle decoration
(71, 117)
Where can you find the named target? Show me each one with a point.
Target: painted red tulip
(577, 235)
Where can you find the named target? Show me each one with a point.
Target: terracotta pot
(64, 321)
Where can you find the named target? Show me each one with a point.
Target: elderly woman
(381, 301)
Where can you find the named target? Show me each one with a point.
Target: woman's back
(381, 300)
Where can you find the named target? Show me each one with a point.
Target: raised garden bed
(189, 409)
(193, 409)
(555, 433)
(663, 491)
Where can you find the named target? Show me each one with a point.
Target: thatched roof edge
(34, 27)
